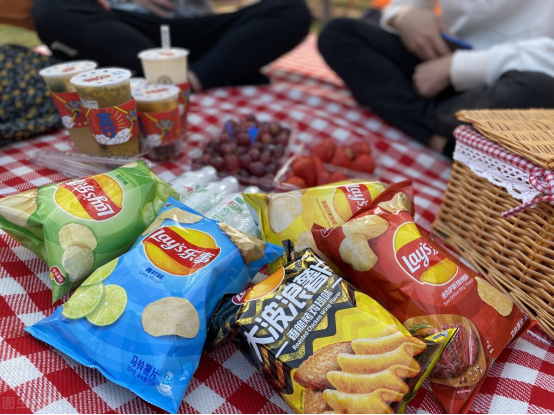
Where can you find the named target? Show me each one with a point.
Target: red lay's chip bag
(385, 254)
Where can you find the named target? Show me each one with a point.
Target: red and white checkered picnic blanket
(541, 179)
(36, 378)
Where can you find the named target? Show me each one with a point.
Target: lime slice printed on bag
(111, 308)
(101, 273)
(164, 190)
(83, 301)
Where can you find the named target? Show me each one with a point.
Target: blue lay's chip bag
(141, 319)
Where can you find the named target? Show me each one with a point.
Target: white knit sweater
(505, 35)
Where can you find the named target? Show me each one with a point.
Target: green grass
(18, 36)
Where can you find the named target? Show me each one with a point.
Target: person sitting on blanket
(225, 49)
(405, 71)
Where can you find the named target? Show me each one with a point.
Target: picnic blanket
(34, 378)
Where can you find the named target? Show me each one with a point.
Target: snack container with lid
(110, 109)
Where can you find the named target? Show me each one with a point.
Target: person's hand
(158, 7)
(419, 29)
(432, 77)
(104, 4)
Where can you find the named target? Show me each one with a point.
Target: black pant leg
(241, 43)
(378, 69)
(81, 29)
(514, 89)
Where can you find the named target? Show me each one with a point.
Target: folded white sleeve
(396, 6)
(479, 68)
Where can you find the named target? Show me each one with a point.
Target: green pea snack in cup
(78, 225)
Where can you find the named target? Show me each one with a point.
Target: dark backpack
(26, 108)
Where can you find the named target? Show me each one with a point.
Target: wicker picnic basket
(515, 254)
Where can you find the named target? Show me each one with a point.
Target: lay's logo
(349, 199)
(180, 251)
(419, 259)
(94, 198)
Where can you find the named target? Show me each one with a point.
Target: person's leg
(514, 89)
(81, 29)
(378, 69)
(235, 46)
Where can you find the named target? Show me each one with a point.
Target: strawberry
(341, 158)
(360, 148)
(323, 178)
(364, 163)
(337, 177)
(303, 167)
(349, 153)
(296, 181)
(321, 153)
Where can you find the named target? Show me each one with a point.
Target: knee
(520, 89)
(45, 14)
(336, 35)
(299, 16)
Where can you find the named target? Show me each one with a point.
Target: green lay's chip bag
(79, 225)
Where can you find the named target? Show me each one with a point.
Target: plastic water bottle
(192, 180)
(207, 196)
(233, 211)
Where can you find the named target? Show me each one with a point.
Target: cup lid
(161, 53)
(63, 70)
(155, 92)
(101, 77)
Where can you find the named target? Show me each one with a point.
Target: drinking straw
(166, 36)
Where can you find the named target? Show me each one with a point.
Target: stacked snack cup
(159, 120)
(169, 66)
(110, 110)
(67, 102)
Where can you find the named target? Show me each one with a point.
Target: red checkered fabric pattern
(35, 378)
(540, 178)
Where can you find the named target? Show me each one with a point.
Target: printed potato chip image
(74, 234)
(314, 403)
(77, 262)
(376, 402)
(284, 208)
(370, 226)
(175, 214)
(312, 373)
(398, 203)
(355, 250)
(171, 316)
(494, 298)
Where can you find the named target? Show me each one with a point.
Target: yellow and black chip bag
(324, 345)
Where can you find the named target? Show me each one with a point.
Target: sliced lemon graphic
(111, 307)
(83, 301)
(101, 273)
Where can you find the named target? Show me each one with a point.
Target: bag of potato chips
(78, 225)
(325, 346)
(291, 215)
(141, 319)
(383, 252)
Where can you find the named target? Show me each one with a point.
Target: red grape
(244, 173)
(258, 145)
(265, 157)
(225, 137)
(269, 176)
(241, 150)
(205, 159)
(224, 148)
(271, 168)
(278, 151)
(254, 154)
(266, 138)
(245, 160)
(243, 139)
(232, 163)
(282, 138)
(274, 127)
(251, 117)
(257, 168)
(218, 163)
